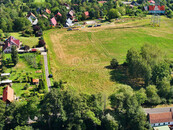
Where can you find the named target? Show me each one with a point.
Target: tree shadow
(10, 66)
(121, 75)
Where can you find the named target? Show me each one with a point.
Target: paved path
(46, 70)
(157, 110)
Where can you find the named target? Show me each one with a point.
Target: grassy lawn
(30, 41)
(19, 72)
(80, 57)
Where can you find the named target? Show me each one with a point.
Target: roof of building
(35, 80)
(160, 117)
(158, 110)
(45, 16)
(59, 14)
(102, 2)
(8, 94)
(86, 13)
(30, 14)
(48, 11)
(5, 74)
(126, 3)
(71, 12)
(5, 81)
(53, 21)
(152, 1)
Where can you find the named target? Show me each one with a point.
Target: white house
(9, 43)
(32, 18)
(69, 22)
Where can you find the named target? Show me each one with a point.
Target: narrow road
(46, 70)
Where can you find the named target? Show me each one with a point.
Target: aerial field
(81, 57)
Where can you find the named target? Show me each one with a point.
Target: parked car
(90, 26)
(69, 29)
(50, 76)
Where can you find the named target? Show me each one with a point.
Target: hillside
(80, 57)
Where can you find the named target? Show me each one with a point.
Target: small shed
(35, 81)
(5, 74)
(6, 81)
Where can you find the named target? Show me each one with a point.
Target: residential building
(86, 13)
(9, 43)
(53, 21)
(32, 18)
(8, 94)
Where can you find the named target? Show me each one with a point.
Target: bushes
(31, 60)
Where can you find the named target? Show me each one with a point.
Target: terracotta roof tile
(8, 94)
(160, 117)
(48, 11)
(35, 80)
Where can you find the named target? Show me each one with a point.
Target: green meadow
(20, 72)
(30, 41)
(81, 57)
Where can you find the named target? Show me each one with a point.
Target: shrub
(41, 43)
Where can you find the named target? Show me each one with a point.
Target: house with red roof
(86, 14)
(8, 94)
(53, 21)
(161, 119)
(58, 14)
(9, 43)
(48, 11)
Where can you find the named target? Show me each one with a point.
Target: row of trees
(61, 109)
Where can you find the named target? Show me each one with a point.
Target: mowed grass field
(80, 57)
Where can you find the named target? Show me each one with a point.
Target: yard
(30, 41)
(80, 57)
(23, 72)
